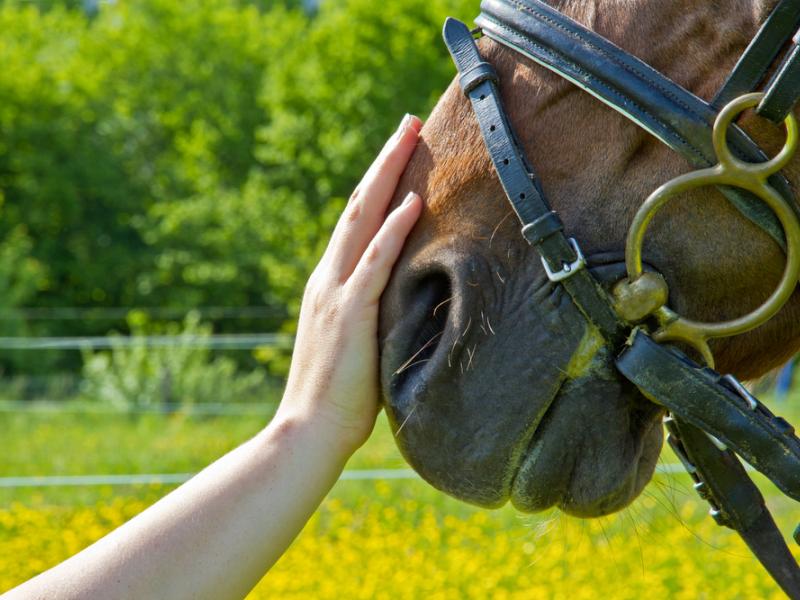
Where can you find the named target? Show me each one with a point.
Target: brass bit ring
(733, 172)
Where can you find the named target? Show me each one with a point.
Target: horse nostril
(428, 303)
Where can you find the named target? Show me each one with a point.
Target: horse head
(494, 384)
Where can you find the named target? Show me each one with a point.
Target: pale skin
(217, 535)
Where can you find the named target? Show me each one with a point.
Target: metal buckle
(751, 400)
(567, 269)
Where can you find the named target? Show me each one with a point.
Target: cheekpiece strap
(564, 262)
(542, 228)
(783, 90)
(751, 69)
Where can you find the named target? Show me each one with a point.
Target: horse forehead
(457, 160)
(552, 117)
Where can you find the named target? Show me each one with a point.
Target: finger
(372, 273)
(366, 210)
(391, 161)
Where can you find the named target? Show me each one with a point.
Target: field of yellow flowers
(375, 539)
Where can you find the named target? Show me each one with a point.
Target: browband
(671, 113)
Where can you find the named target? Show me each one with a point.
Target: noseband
(713, 418)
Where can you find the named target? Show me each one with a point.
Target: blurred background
(169, 173)
(175, 167)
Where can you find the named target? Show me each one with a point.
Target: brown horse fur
(496, 414)
(597, 167)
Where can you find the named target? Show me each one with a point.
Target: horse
(493, 394)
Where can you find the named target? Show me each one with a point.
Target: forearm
(221, 531)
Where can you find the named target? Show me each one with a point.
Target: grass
(374, 539)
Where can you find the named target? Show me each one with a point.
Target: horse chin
(589, 466)
(589, 451)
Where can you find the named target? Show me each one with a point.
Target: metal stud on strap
(567, 269)
(752, 401)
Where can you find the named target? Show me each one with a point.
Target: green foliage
(165, 153)
(20, 277)
(142, 376)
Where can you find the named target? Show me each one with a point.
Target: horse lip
(529, 439)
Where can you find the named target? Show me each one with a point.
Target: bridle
(712, 418)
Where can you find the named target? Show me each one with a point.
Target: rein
(713, 420)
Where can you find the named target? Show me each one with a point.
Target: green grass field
(374, 539)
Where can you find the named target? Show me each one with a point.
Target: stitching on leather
(783, 443)
(601, 84)
(579, 36)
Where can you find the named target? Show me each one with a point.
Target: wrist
(314, 433)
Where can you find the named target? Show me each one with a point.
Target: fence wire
(205, 409)
(244, 341)
(178, 478)
(116, 313)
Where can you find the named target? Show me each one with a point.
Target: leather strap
(735, 501)
(701, 397)
(783, 91)
(541, 226)
(674, 115)
(702, 407)
(752, 67)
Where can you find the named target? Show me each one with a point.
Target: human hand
(333, 379)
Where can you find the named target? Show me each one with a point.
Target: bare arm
(215, 536)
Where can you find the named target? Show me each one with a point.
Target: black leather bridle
(713, 418)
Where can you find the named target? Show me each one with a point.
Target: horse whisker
(440, 305)
(414, 364)
(489, 325)
(466, 330)
(500, 277)
(450, 354)
(407, 364)
(471, 355)
(399, 429)
(496, 229)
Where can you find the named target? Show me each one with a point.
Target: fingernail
(404, 125)
(409, 198)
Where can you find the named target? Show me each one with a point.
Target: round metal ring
(720, 138)
(729, 171)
